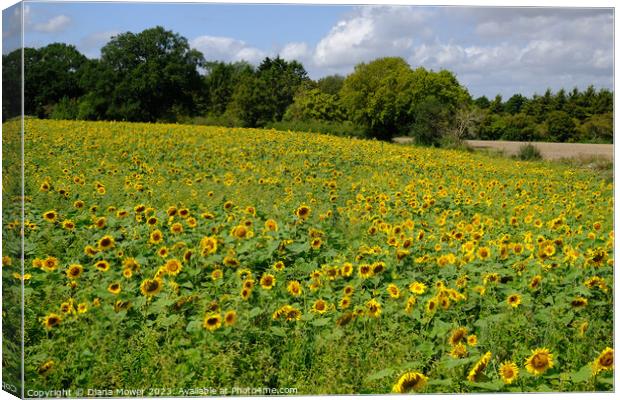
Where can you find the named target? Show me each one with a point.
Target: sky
(492, 50)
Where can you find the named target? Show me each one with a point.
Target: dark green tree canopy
(154, 73)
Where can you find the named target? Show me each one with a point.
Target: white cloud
(299, 51)
(53, 25)
(226, 49)
(371, 32)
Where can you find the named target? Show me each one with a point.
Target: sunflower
(208, 244)
(431, 305)
(212, 321)
(410, 381)
(320, 306)
(365, 271)
(162, 252)
(458, 351)
(278, 266)
(176, 228)
(303, 212)
(240, 232)
(50, 264)
(102, 265)
(472, 340)
(477, 369)
(267, 281)
(508, 371)
(417, 288)
(150, 287)
(173, 267)
(114, 288)
(346, 270)
(82, 308)
(393, 291)
(374, 308)
(535, 282)
(344, 303)
(348, 290)
(74, 271)
(68, 224)
(410, 303)
(457, 335)
(230, 318)
(217, 274)
(540, 361)
(156, 237)
(106, 242)
(51, 320)
(245, 293)
(378, 267)
(271, 225)
(100, 222)
(514, 300)
(50, 216)
(131, 264)
(294, 288)
(183, 213)
(316, 243)
(579, 302)
(604, 362)
(46, 367)
(484, 253)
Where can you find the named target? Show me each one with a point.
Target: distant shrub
(529, 152)
(65, 109)
(344, 128)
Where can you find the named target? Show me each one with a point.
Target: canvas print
(211, 199)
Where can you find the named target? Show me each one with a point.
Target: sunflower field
(179, 257)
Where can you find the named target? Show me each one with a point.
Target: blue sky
(491, 50)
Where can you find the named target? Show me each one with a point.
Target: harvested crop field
(549, 151)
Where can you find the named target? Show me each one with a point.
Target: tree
(514, 104)
(331, 84)
(12, 84)
(430, 122)
(220, 82)
(496, 106)
(150, 76)
(560, 126)
(482, 102)
(265, 96)
(598, 128)
(313, 104)
(378, 96)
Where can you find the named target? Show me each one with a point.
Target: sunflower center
(540, 361)
(607, 360)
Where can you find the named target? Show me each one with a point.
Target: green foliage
(264, 96)
(65, 109)
(313, 104)
(331, 84)
(51, 73)
(220, 82)
(597, 128)
(560, 126)
(343, 128)
(146, 75)
(387, 97)
(529, 152)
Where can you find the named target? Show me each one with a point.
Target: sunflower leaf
(582, 375)
(384, 373)
(321, 321)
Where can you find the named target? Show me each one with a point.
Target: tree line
(154, 76)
